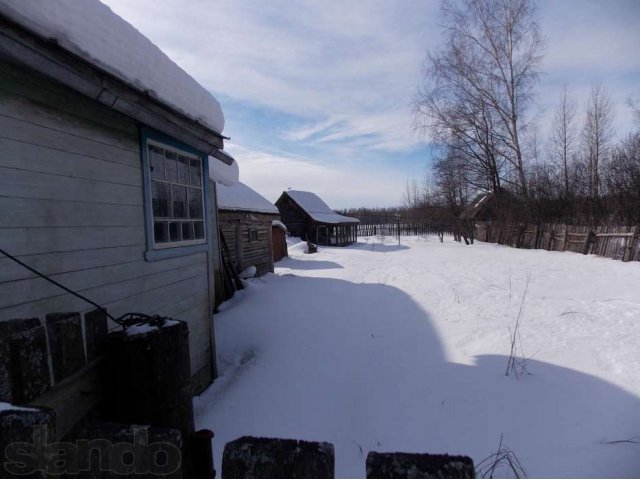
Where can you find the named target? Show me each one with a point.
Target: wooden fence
(406, 228)
(618, 243)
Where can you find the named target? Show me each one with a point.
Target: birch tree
(478, 87)
(597, 135)
(563, 141)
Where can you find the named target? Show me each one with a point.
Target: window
(253, 235)
(175, 197)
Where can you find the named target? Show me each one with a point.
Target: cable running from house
(126, 320)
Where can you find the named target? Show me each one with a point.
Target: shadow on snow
(361, 365)
(296, 264)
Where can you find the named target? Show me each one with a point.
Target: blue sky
(317, 94)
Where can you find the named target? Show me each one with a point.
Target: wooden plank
(34, 212)
(64, 141)
(33, 289)
(125, 169)
(630, 234)
(23, 184)
(29, 241)
(67, 262)
(73, 398)
(631, 244)
(26, 85)
(150, 288)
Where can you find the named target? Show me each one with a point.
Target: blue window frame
(176, 190)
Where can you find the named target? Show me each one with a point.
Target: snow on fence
(616, 242)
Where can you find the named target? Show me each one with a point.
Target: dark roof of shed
(315, 207)
(478, 204)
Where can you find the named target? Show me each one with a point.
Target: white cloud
(600, 37)
(324, 61)
(347, 186)
(349, 70)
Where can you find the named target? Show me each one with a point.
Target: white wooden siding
(71, 205)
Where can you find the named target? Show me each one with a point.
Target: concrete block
(149, 374)
(25, 434)
(6, 384)
(96, 333)
(252, 457)
(112, 450)
(418, 465)
(23, 351)
(66, 344)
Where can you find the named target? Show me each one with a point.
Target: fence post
(630, 250)
(588, 241)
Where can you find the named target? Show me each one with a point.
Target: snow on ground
(404, 348)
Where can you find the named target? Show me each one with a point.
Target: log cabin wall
(249, 238)
(297, 221)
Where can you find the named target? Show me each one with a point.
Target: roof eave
(46, 57)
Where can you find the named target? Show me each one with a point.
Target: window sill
(166, 253)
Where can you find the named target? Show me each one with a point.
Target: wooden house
(308, 217)
(245, 219)
(481, 208)
(104, 149)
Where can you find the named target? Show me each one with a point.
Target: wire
(126, 320)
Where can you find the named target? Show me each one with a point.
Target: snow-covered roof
(91, 30)
(279, 224)
(239, 197)
(222, 172)
(317, 209)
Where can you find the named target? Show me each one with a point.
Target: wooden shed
(308, 217)
(279, 235)
(481, 208)
(101, 173)
(245, 219)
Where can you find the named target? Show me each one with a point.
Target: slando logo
(98, 455)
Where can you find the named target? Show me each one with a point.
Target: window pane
(160, 199)
(198, 229)
(156, 162)
(170, 166)
(175, 231)
(196, 172)
(160, 232)
(195, 203)
(187, 231)
(183, 170)
(179, 201)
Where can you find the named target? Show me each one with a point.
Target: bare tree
(411, 196)
(478, 87)
(634, 105)
(623, 180)
(597, 135)
(451, 178)
(563, 139)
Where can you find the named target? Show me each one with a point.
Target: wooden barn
(245, 219)
(105, 144)
(308, 217)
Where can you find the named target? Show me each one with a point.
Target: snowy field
(404, 348)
